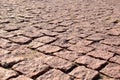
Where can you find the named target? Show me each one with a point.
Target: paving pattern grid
(59, 40)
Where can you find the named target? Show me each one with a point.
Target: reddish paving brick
(11, 27)
(67, 55)
(3, 52)
(101, 54)
(96, 37)
(83, 73)
(115, 59)
(90, 62)
(31, 32)
(45, 39)
(102, 47)
(31, 67)
(49, 49)
(112, 41)
(4, 43)
(112, 70)
(39, 35)
(81, 49)
(35, 44)
(11, 61)
(54, 75)
(21, 77)
(59, 63)
(20, 39)
(6, 74)
(114, 31)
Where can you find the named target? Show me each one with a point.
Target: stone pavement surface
(59, 40)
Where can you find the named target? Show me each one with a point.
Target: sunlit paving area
(59, 39)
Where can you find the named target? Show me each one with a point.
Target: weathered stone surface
(90, 62)
(96, 37)
(101, 54)
(49, 48)
(83, 50)
(83, 73)
(10, 61)
(6, 74)
(115, 59)
(59, 63)
(112, 70)
(54, 75)
(45, 39)
(20, 39)
(112, 41)
(67, 55)
(22, 77)
(56, 36)
(3, 52)
(31, 67)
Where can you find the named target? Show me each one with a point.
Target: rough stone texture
(49, 49)
(31, 67)
(101, 54)
(22, 77)
(54, 75)
(83, 73)
(112, 70)
(61, 37)
(6, 74)
(90, 62)
(116, 59)
(59, 63)
(20, 39)
(67, 55)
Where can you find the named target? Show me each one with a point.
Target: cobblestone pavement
(59, 40)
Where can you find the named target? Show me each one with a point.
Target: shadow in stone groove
(68, 71)
(19, 73)
(97, 77)
(41, 73)
(102, 66)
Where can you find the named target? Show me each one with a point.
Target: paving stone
(115, 59)
(6, 74)
(83, 73)
(112, 70)
(83, 50)
(83, 43)
(62, 43)
(90, 62)
(31, 67)
(45, 39)
(20, 39)
(32, 32)
(48, 32)
(35, 44)
(101, 54)
(8, 62)
(114, 31)
(11, 27)
(49, 49)
(112, 41)
(3, 52)
(71, 56)
(22, 50)
(96, 37)
(22, 77)
(4, 43)
(38, 36)
(54, 75)
(59, 63)
(60, 29)
(102, 47)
